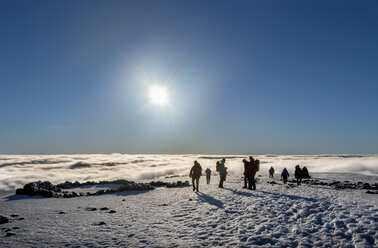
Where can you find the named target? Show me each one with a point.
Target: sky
(243, 77)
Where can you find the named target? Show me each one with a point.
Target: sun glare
(158, 95)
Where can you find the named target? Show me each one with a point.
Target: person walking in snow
(246, 163)
(298, 174)
(222, 172)
(251, 172)
(208, 175)
(285, 175)
(195, 174)
(271, 172)
(305, 173)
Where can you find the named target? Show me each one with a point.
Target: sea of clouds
(16, 170)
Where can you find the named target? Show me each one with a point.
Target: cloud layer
(16, 170)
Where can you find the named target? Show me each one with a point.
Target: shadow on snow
(209, 199)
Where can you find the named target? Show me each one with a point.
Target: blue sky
(244, 77)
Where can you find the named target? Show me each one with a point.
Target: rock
(21, 192)
(46, 193)
(3, 219)
(334, 183)
(105, 208)
(366, 186)
(14, 215)
(273, 182)
(22, 218)
(10, 234)
(5, 229)
(101, 223)
(123, 200)
(112, 211)
(62, 212)
(91, 209)
(371, 192)
(15, 228)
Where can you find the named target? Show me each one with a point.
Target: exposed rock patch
(47, 189)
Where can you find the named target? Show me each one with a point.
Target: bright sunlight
(158, 95)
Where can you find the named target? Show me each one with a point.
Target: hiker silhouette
(285, 175)
(195, 174)
(298, 174)
(208, 175)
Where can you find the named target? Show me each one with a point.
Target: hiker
(195, 174)
(305, 173)
(208, 174)
(221, 168)
(251, 172)
(246, 163)
(298, 174)
(271, 172)
(285, 175)
(257, 163)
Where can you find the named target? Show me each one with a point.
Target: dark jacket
(298, 172)
(285, 173)
(196, 171)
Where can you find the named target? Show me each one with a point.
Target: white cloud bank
(16, 170)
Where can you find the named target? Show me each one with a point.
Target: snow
(271, 216)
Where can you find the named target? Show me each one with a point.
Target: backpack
(197, 170)
(218, 167)
(257, 163)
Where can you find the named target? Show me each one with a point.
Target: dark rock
(10, 234)
(46, 193)
(14, 215)
(3, 219)
(21, 192)
(371, 192)
(334, 183)
(273, 182)
(104, 208)
(15, 228)
(91, 209)
(112, 211)
(101, 223)
(123, 200)
(366, 186)
(5, 229)
(22, 218)
(62, 212)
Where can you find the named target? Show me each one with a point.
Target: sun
(158, 95)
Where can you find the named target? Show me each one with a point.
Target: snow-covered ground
(271, 216)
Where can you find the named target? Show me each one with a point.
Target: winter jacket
(196, 171)
(285, 173)
(298, 173)
(251, 169)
